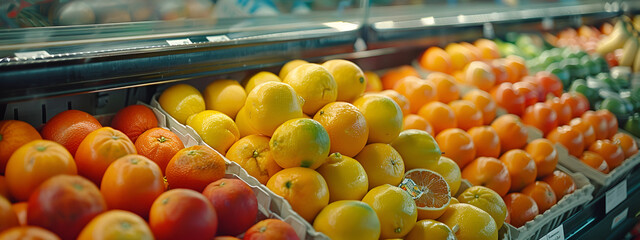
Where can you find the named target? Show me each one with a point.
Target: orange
(595, 161)
(611, 152)
(183, 214)
(20, 208)
(159, 145)
(488, 49)
(439, 115)
(345, 177)
(513, 73)
(542, 193)
(576, 102)
(484, 103)
(487, 200)
(413, 121)
(501, 72)
(132, 183)
(522, 168)
(300, 142)
(457, 145)
(69, 128)
(561, 183)
(99, 149)
(133, 120)
(4, 189)
(395, 208)
(269, 229)
(472, 222)
(225, 96)
(14, 134)
(544, 154)
(460, 56)
(512, 133)
(476, 54)
(467, 114)
(549, 82)
(489, 172)
(373, 82)
(34, 163)
(541, 116)
(447, 89)
(254, 155)
(537, 88)
(585, 129)
(28, 232)
(569, 138)
(507, 97)
(116, 224)
(521, 207)
(480, 75)
(436, 59)
(612, 122)
(528, 90)
(8, 217)
(382, 163)
(486, 141)
(436, 194)
(517, 63)
(346, 126)
(626, 143)
(383, 115)
(400, 99)
(417, 148)
(391, 77)
(563, 111)
(600, 125)
(303, 188)
(194, 168)
(418, 92)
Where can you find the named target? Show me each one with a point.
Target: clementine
(486, 141)
(133, 120)
(521, 166)
(69, 128)
(439, 115)
(99, 149)
(511, 131)
(595, 161)
(194, 168)
(521, 207)
(542, 193)
(611, 152)
(561, 183)
(544, 154)
(457, 145)
(489, 172)
(14, 134)
(159, 145)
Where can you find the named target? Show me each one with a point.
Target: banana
(615, 40)
(629, 52)
(636, 63)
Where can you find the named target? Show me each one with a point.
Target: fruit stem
(255, 153)
(41, 148)
(0, 137)
(162, 139)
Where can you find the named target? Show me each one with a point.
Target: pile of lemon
(340, 156)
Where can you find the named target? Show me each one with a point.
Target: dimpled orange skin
(512, 133)
(457, 145)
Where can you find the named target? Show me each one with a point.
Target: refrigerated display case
(101, 56)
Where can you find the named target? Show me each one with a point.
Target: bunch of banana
(619, 35)
(624, 36)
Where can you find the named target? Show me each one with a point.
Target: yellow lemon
(349, 77)
(303, 188)
(225, 96)
(254, 155)
(216, 129)
(260, 78)
(284, 71)
(417, 148)
(347, 127)
(487, 200)
(374, 84)
(243, 124)
(346, 178)
(181, 101)
(314, 84)
(271, 104)
(300, 142)
(348, 220)
(383, 116)
(448, 169)
(472, 222)
(454, 201)
(382, 163)
(430, 229)
(395, 209)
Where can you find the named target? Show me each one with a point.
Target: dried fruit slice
(429, 190)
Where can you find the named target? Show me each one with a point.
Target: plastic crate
(277, 206)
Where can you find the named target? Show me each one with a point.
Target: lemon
(454, 201)
(417, 148)
(349, 77)
(348, 220)
(472, 222)
(181, 101)
(430, 229)
(448, 169)
(216, 129)
(345, 177)
(243, 124)
(395, 209)
(374, 84)
(271, 104)
(254, 155)
(284, 71)
(383, 116)
(314, 84)
(382, 163)
(260, 78)
(300, 142)
(226, 96)
(487, 200)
